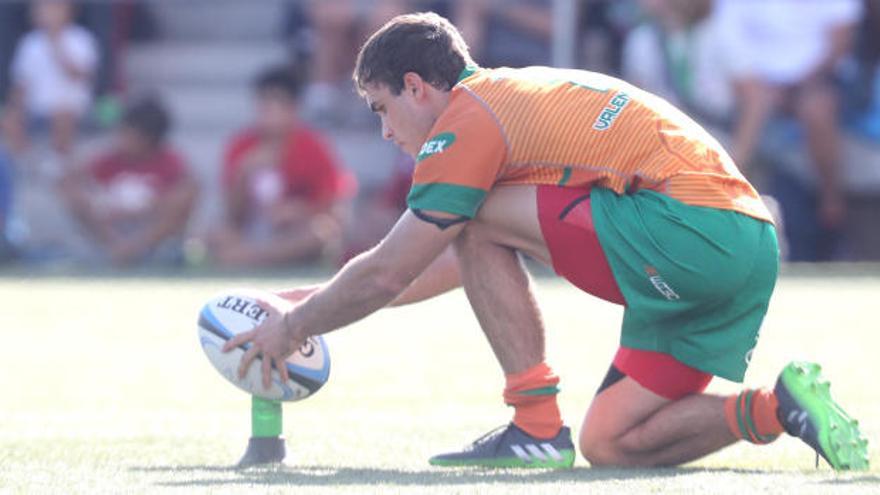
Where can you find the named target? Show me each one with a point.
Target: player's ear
(414, 85)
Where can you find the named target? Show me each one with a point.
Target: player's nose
(386, 131)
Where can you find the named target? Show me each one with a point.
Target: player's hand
(272, 340)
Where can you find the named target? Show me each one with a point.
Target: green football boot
(807, 411)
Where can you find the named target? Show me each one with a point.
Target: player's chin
(409, 150)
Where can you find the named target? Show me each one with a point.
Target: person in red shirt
(134, 201)
(284, 193)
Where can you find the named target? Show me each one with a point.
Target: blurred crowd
(787, 85)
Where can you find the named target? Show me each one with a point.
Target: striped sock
(751, 416)
(532, 393)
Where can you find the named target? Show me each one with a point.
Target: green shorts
(697, 281)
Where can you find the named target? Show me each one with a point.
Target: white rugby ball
(234, 312)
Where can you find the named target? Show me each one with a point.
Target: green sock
(265, 418)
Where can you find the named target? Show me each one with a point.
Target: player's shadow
(344, 476)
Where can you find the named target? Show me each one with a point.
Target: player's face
(406, 118)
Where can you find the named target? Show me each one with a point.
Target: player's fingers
(238, 340)
(246, 360)
(267, 371)
(281, 366)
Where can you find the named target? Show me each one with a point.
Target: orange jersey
(573, 128)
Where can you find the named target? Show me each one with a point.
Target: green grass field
(105, 390)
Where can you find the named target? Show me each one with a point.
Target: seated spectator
(134, 201)
(862, 89)
(285, 195)
(52, 72)
(790, 65)
(338, 29)
(377, 212)
(6, 189)
(513, 33)
(678, 54)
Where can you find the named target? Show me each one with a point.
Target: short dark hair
(283, 78)
(148, 116)
(424, 43)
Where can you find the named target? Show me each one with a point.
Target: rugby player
(623, 195)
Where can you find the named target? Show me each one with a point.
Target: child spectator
(52, 72)
(285, 195)
(135, 200)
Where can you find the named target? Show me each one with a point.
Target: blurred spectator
(604, 26)
(6, 190)
(513, 33)
(339, 27)
(868, 53)
(52, 73)
(679, 54)
(787, 51)
(134, 201)
(285, 195)
(862, 85)
(378, 212)
(13, 25)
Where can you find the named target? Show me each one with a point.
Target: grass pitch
(105, 390)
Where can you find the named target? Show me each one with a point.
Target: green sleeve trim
(566, 175)
(448, 198)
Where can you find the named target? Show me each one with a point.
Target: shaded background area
(199, 61)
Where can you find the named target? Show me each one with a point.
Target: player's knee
(600, 452)
(612, 452)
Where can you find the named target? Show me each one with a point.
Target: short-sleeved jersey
(572, 128)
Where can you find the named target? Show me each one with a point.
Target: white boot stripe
(535, 451)
(551, 451)
(518, 450)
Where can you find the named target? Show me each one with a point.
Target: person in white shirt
(52, 73)
(785, 52)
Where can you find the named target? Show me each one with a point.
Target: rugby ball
(234, 312)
